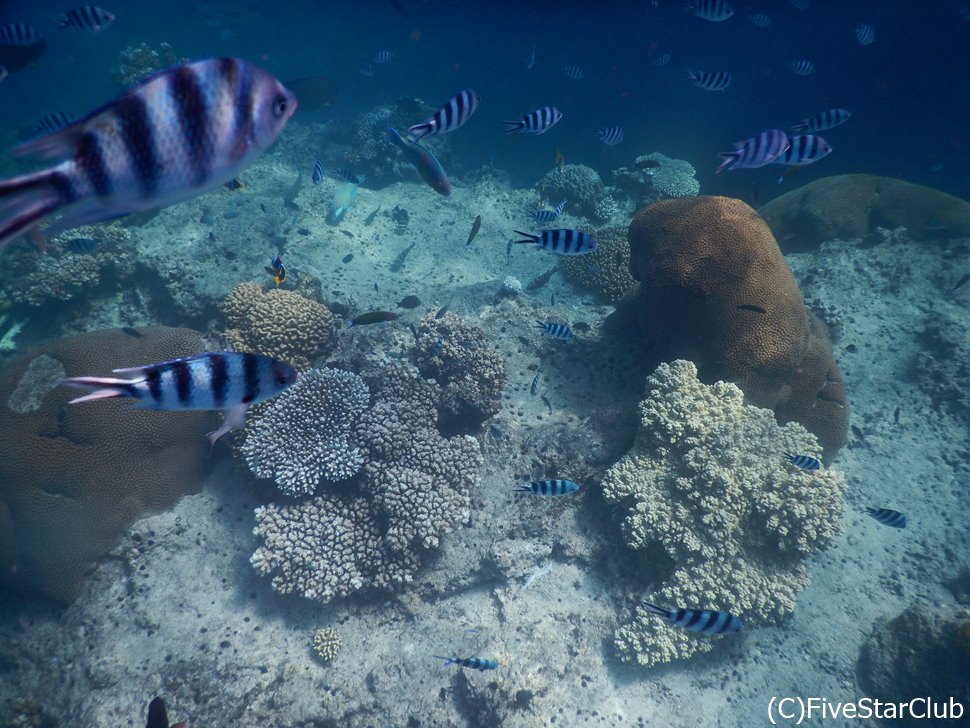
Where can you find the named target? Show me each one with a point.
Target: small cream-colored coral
(327, 643)
(279, 323)
(706, 481)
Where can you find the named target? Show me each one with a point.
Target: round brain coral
(278, 323)
(706, 482)
(715, 289)
(578, 184)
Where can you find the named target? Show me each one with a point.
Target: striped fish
(178, 134)
(456, 111)
(19, 34)
(610, 135)
(560, 241)
(556, 331)
(714, 10)
(347, 176)
(799, 4)
(574, 72)
(318, 172)
(535, 122)
(472, 663)
(549, 487)
(756, 151)
(3, 73)
(88, 18)
(801, 67)
(759, 20)
(535, 384)
(805, 462)
(223, 380)
(821, 121)
(662, 60)
(803, 149)
(888, 517)
(550, 215)
(383, 56)
(865, 34)
(703, 621)
(364, 68)
(709, 80)
(54, 121)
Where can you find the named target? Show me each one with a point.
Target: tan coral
(715, 289)
(279, 323)
(706, 482)
(607, 269)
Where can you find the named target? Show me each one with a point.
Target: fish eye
(279, 106)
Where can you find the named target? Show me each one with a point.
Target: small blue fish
(544, 216)
(610, 135)
(759, 20)
(709, 80)
(508, 251)
(556, 331)
(801, 67)
(364, 68)
(662, 60)
(865, 34)
(887, 517)
(473, 663)
(535, 122)
(347, 176)
(317, 172)
(383, 56)
(805, 462)
(703, 621)
(343, 200)
(714, 10)
(549, 487)
(222, 380)
(560, 241)
(82, 246)
(574, 72)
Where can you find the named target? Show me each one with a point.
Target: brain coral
(854, 205)
(303, 435)
(413, 488)
(715, 289)
(456, 354)
(607, 269)
(73, 478)
(578, 184)
(706, 482)
(279, 323)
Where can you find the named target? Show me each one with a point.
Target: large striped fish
(456, 111)
(177, 134)
(535, 122)
(561, 241)
(756, 151)
(821, 121)
(222, 380)
(704, 621)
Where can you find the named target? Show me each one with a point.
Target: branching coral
(303, 436)
(657, 177)
(279, 323)
(607, 269)
(456, 354)
(706, 482)
(413, 488)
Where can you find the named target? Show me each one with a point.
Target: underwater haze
(414, 364)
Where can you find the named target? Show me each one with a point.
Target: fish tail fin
(729, 159)
(540, 325)
(654, 609)
(529, 237)
(871, 511)
(448, 660)
(691, 73)
(788, 456)
(799, 128)
(419, 131)
(101, 388)
(514, 126)
(24, 202)
(521, 489)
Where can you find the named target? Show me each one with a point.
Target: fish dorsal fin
(60, 144)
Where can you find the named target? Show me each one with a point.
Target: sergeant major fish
(223, 380)
(821, 121)
(424, 161)
(710, 80)
(543, 216)
(703, 621)
(714, 10)
(756, 151)
(888, 517)
(805, 462)
(535, 122)
(18, 34)
(803, 149)
(456, 111)
(610, 135)
(553, 487)
(801, 67)
(88, 18)
(179, 133)
(559, 241)
(556, 331)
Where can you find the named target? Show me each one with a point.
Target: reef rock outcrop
(706, 484)
(715, 289)
(72, 478)
(607, 269)
(854, 205)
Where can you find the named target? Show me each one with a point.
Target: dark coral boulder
(73, 477)
(854, 205)
(715, 289)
